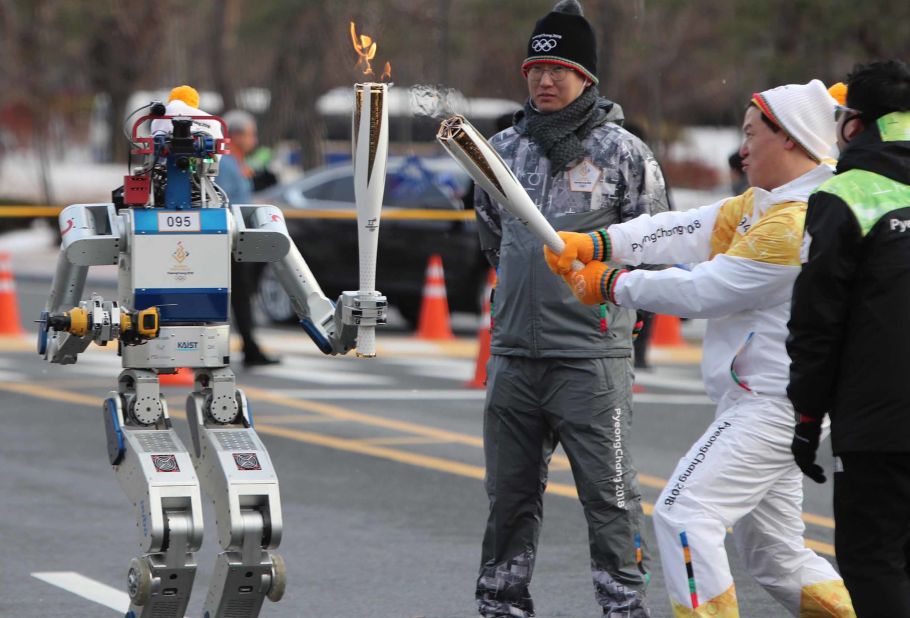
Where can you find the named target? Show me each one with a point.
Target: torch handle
(370, 130)
(366, 341)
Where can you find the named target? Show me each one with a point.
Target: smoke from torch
(435, 101)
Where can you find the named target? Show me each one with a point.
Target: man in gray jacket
(560, 371)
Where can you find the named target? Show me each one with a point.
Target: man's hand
(805, 443)
(581, 247)
(593, 284)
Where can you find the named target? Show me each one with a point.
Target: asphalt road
(380, 464)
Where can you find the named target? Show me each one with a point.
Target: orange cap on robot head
(184, 93)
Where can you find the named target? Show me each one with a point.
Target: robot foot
(239, 588)
(158, 590)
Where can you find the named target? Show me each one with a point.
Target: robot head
(181, 155)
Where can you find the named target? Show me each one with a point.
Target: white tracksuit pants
(741, 473)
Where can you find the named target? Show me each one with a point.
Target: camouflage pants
(584, 404)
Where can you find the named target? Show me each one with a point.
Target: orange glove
(583, 247)
(594, 283)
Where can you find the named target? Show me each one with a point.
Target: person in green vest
(849, 337)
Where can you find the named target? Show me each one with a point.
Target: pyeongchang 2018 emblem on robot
(180, 271)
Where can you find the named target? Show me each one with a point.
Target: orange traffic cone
(434, 309)
(9, 306)
(666, 331)
(183, 377)
(484, 336)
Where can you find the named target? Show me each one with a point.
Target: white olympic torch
(370, 137)
(486, 167)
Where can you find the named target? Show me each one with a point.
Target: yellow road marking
(291, 419)
(403, 440)
(337, 412)
(818, 546)
(45, 392)
(818, 520)
(17, 343)
(108, 384)
(686, 354)
(363, 447)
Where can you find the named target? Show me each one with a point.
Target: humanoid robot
(173, 233)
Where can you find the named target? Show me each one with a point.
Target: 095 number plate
(178, 222)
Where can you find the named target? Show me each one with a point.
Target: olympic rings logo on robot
(544, 45)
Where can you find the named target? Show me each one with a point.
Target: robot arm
(91, 234)
(261, 235)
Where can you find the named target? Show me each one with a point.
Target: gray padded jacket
(535, 313)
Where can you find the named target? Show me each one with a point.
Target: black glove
(639, 324)
(805, 442)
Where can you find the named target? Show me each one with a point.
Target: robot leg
(156, 472)
(237, 475)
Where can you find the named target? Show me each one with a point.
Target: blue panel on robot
(212, 220)
(185, 305)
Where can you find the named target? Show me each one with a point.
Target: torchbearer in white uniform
(740, 472)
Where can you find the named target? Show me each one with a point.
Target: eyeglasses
(842, 110)
(557, 72)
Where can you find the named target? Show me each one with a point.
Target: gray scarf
(559, 133)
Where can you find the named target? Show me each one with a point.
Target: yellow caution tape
(393, 214)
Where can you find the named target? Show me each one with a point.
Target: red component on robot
(136, 190)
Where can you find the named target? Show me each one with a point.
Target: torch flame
(365, 47)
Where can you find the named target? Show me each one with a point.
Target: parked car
(328, 241)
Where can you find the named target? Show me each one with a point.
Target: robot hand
(98, 320)
(354, 309)
(334, 330)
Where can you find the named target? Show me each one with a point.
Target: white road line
(672, 399)
(11, 376)
(97, 370)
(383, 394)
(324, 376)
(681, 384)
(457, 374)
(456, 369)
(99, 363)
(333, 372)
(87, 588)
(427, 362)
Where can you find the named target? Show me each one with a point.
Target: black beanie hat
(564, 37)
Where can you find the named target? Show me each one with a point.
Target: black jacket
(849, 340)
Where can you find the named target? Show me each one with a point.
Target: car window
(339, 189)
(403, 193)
(410, 185)
(414, 185)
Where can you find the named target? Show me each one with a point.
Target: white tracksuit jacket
(746, 250)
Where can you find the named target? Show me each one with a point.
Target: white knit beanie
(806, 114)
